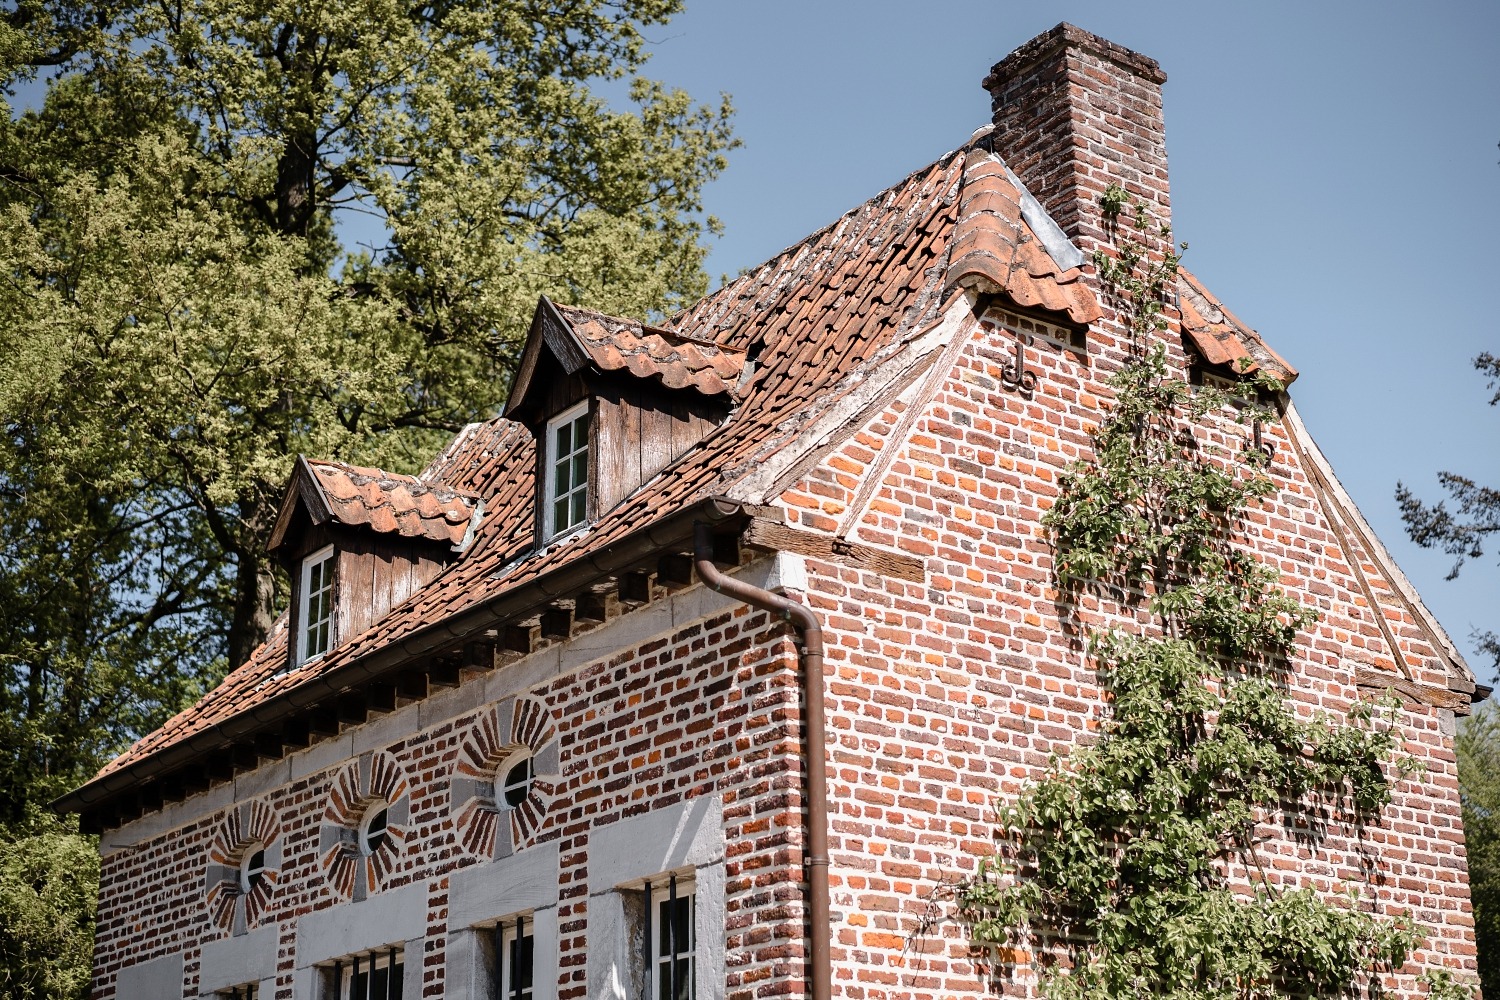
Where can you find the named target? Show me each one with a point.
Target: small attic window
(316, 605)
(567, 470)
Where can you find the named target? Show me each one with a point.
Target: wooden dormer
(624, 399)
(357, 542)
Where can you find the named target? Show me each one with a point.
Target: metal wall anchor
(1260, 443)
(1015, 376)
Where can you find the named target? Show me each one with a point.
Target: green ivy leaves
(1132, 867)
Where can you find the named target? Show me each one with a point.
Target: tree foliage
(1478, 749)
(1475, 517)
(237, 230)
(1131, 868)
(48, 881)
(232, 231)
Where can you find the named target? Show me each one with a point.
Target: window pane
(676, 925)
(382, 983)
(520, 967)
(568, 460)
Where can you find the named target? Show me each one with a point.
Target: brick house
(698, 670)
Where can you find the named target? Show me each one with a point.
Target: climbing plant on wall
(1131, 868)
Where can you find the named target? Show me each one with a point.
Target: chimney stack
(1074, 113)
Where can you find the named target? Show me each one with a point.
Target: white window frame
(503, 784)
(340, 979)
(325, 555)
(504, 962)
(550, 527)
(661, 947)
(251, 874)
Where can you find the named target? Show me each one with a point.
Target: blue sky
(1333, 168)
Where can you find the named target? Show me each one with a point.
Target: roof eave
(673, 531)
(551, 329)
(301, 485)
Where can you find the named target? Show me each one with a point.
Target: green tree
(1463, 531)
(1131, 868)
(48, 882)
(235, 231)
(1478, 749)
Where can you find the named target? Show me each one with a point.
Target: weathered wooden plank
(617, 437)
(781, 538)
(1423, 694)
(356, 587)
(401, 578)
(656, 436)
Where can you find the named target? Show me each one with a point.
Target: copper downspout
(813, 727)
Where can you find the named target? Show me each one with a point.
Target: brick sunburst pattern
(233, 910)
(482, 827)
(371, 778)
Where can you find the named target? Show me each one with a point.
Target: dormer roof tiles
(376, 500)
(996, 249)
(1221, 338)
(391, 503)
(677, 362)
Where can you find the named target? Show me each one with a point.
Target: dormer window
(568, 470)
(317, 604)
(648, 396)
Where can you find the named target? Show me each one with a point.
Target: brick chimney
(1074, 113)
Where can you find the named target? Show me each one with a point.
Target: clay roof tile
(675, 361)
(391, 503)
(822, 317)
(1221, 338)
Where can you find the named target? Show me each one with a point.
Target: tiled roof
(1220, 336)
(389, 503)
(995, 250)
(821, 312)
(494, 460)
(677, 362)
(821, 318)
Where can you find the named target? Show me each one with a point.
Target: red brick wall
(943, 696)
(710, 709)
(947, 695)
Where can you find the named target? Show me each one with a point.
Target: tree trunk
(254, 605)
(294, 184)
